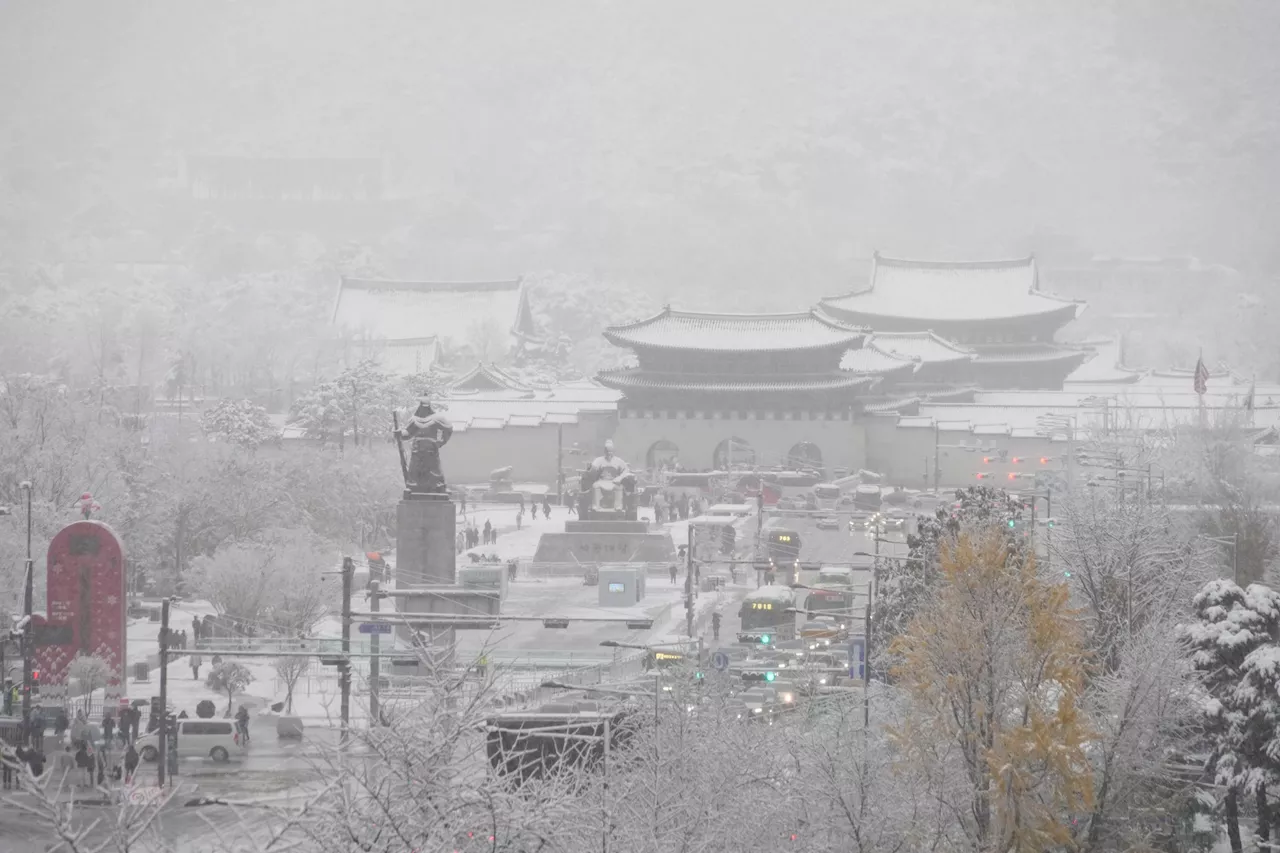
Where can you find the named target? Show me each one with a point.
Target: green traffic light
(1012, 523)
(770, 676)
(764, 638)
(1066, 574)
(697, 675)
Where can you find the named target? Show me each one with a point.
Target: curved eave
(684, 383)
(1061, 357)
(900, 371)
(1063, 313)
(853, 341)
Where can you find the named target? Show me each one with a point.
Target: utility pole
(344, 665)
(27, 643)
(163, 764)
(936, 473)
(375, 669)
(866, 672)
(688, 582)
(560, 464)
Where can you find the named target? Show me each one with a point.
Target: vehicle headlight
(757, 710)
(822, 681)
(787, 697)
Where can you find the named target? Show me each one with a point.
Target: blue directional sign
(720, 661)
(858, 657)
(375, 628)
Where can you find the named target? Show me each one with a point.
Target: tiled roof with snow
(920, 346)
(642, 380)
(1026, 352)
(949, 291)
(870, 359)
(395, 310)
(1106, 366)
(708, 332)
(488, 377)
(509, 408)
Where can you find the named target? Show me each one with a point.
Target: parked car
(214, 739)
(828, 522)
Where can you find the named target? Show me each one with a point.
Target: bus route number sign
(761, 605)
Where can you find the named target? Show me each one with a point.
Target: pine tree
(1232, 645)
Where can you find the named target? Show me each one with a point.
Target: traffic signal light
(764, 638)
(1066, 573)
(1050, 523)
(770, 676)
(1044, 460)
(986, 460)
(1017, 460)
(699, 676)
(982, 475)
(1012, 523)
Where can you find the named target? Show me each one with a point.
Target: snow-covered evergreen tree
(1232, 643)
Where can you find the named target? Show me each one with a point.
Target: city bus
(781, 544)
(695, 484)
(827, 495)
(839, 602)
(767, 612)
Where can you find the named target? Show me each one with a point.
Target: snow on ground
(316, 695)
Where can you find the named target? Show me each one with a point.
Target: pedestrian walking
(108, 727)
(130, 764)
(488, 532)
(35, 760)
(520, 517)
(546, 506)
(672, 572)
(196, 661)
(715, 625)
(195, 627)
(59, 723)
(464, 503)
(9, 760)
(78, 727)
(64, 763)
(85, 763)
(242, 724)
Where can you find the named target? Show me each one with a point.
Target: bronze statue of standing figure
(427, 431)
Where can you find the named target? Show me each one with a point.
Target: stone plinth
(425, 531)
(606, 542)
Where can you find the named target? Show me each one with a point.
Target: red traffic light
(982, 475)
(1044, 460)
(1017, 460)
(35, 675)
(986, 460)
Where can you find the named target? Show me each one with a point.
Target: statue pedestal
(606, 542)
(425, 531)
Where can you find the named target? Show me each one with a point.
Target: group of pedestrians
(473, 536)
(672, 507)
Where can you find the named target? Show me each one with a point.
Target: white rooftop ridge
(393, 310)
(951, 291)
(726, 332)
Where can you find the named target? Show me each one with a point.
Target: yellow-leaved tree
(994, 666)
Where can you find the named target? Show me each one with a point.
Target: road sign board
(720, 661)
(375, 628)
(857, 657)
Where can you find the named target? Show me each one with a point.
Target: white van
(214, 739)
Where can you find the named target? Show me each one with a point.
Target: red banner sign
(86, 606)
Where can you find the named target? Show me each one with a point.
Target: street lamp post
(28, 596)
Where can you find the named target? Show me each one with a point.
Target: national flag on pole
(1248, 400)
(1202, 377)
